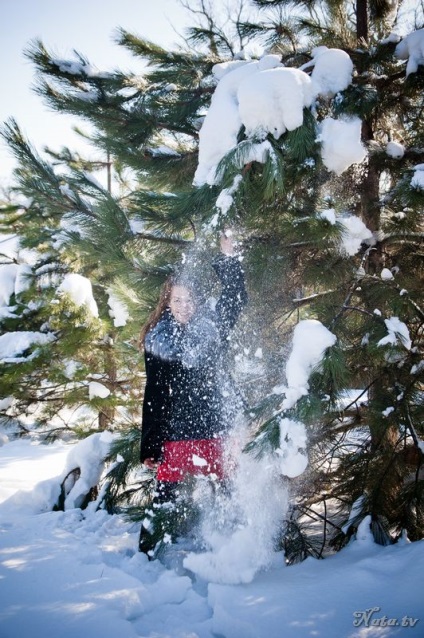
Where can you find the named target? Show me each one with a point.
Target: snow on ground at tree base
(77, 574)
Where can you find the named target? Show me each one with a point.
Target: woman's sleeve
(151, 441)
(155, 416)
(233, 294)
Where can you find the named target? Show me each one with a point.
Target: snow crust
(78, 573)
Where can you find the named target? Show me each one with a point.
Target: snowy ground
(78, 574)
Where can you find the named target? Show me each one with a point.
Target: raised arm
(233, 293)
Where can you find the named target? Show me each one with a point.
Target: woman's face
(181, 304)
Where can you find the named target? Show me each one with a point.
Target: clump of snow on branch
(218, 133)
(96, 389)
(411, 48)
(395, 150)
(80, 291)
(272, 101)
(11, 248)
(310, 341)
(118, 310)
(268, 98)
(225, 198)
(6, 403)
(13, 344)
(332, 71)
(417, 368)
(341, 143)
(386, 274)
(14, 279)
(256, 152)
(70, 368)
(163, 150)
(354, 234)
(89, 456)
(292, 450)
(354, 231)
(397, 333)
(417, 180)
(74, 67)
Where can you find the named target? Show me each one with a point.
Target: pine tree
(73, 359)
(295, 207)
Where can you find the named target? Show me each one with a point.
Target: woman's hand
(227, 243)
(151, 464)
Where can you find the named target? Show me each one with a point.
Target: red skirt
(193, 457)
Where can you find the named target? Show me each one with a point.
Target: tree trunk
(362, 20)
(107, 415)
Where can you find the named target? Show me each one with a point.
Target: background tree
(328, 233)
(65, 363)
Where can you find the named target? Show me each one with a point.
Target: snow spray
(241, 520)
(238, 519)
(239, 527)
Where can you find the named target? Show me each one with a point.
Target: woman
(184, 404)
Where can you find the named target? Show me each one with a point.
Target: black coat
(183, 397)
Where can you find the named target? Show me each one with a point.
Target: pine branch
(310, 298)
(177, 241)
